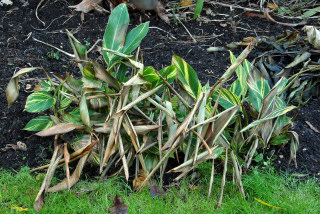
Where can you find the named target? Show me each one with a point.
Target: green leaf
(134, 38)
(45, 86)
(310, 12)
(63, 100)
(227, 99)
(149, 74)
(258, 90)
(168, 73)
(39, 123)
(197, 11)
(187, 76)
(258, 158)
(39, 101)
(279, 140)
(242, 73)
(115, 32)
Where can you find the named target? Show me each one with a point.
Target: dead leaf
(58, 129)
(313, 36)
(86, 5)
(185, 3)
(312, 127)
(194, 187)
(119, 206)
(255, 15)
(156, 191)
(136, 184)
(20, 146)
(223, 24)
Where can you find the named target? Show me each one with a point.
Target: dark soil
(18, 50)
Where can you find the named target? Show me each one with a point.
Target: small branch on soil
(164, 31)
(194, 40)
(44, 24)
(62, 51)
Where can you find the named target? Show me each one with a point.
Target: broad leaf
(227, 99)
(134, 38)
(115, 32)
(187, 76)
(279, 140)
(242, 73)
(39, 123)
(39, 101)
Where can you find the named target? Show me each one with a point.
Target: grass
(292, 196)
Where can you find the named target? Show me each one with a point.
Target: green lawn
(292, 196)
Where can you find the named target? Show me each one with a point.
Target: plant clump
(123, 114)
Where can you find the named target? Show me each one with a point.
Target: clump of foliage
(124, 115)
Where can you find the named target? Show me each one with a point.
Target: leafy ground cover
(91, 196)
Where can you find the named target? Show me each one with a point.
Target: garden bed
(17, 50)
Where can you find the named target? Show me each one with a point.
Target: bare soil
(18, 25)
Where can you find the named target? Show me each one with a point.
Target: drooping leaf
(39, 123)
(187, 76)
(84, 112)
(115, 33)
(12, 90)
(58, 129)
(102, 74)
(39, 101)
(276, 113)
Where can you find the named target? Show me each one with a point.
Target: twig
(164, 32)
(62, 51)
(194, 40)
(44, 24)
(234, 6)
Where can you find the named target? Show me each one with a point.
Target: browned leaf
(58, 129)
(86, 5)
(119, 206)
(136, 184)
(266, 13)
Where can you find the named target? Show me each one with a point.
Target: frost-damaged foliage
(293, 55)
(126, 115)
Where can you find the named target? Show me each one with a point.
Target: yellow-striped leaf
(228, 99)
(39, 123)
(39, 101)
(187, 76)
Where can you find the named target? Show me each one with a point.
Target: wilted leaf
(12, 90)
(39, 123)
(58, 129)
(313, 36)
(86, 5)
(136, 183)
(39, 101)
(84, 112)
